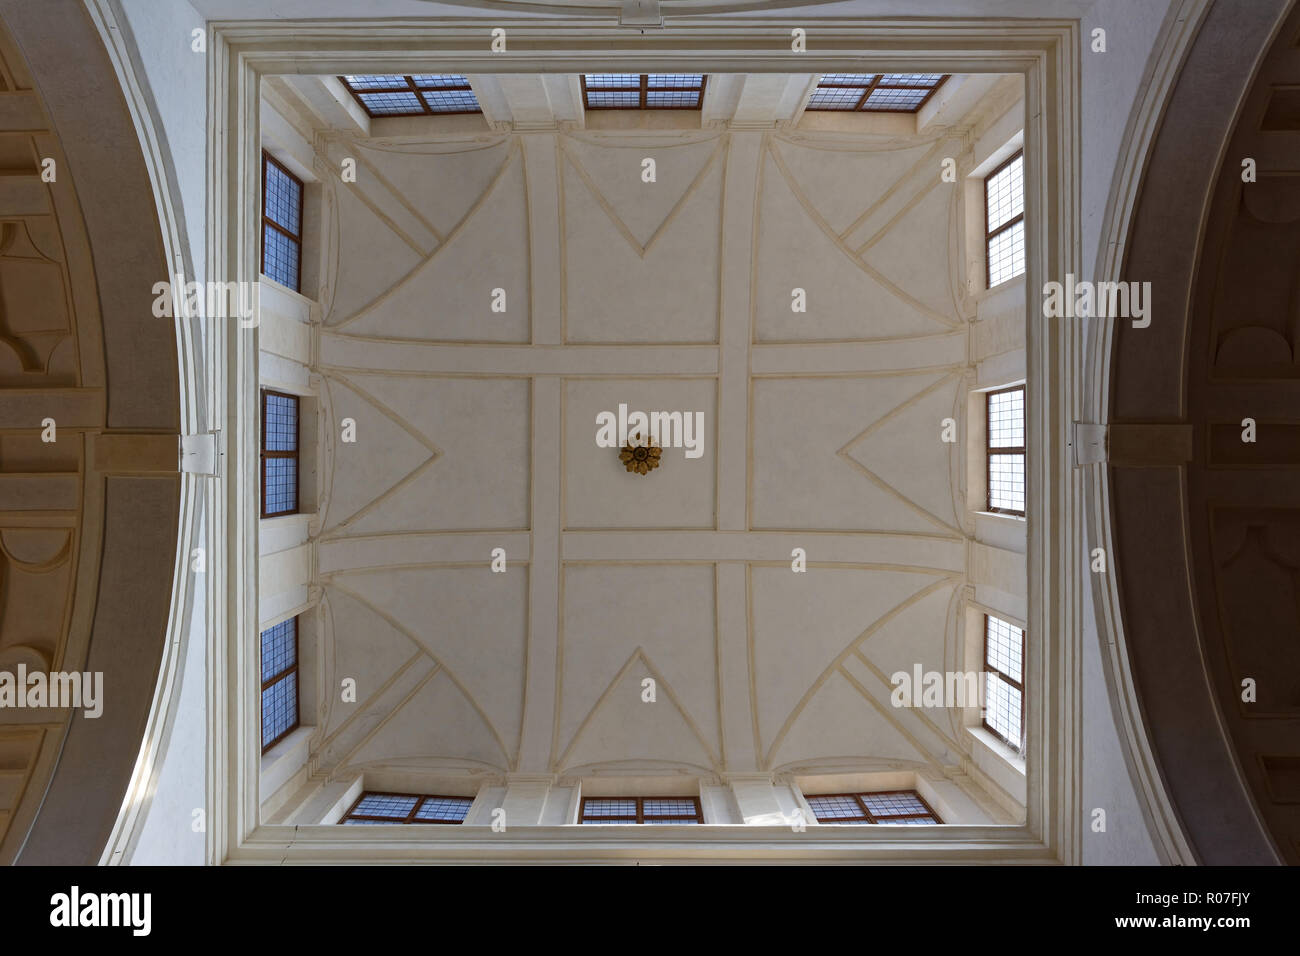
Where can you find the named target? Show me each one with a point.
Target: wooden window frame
(264, 454)
(989, 233)
(644, 89)
(420, 798)
(990, 451)
(640, 810)
(1018, 685)
(861, 105)
(267, 158)
(268, 683)
(412, 87)
(870, 817)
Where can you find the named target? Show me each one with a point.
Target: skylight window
(875, 92)
(1004, 207)
(653, 810)
(1006, 450)
(373, 808)
(894, 807)
(421, 94)
(279, 682)
(643, 91)
(1004, 659)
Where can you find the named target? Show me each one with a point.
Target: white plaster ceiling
(476, 430)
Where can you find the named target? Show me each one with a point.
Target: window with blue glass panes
(642, 91)
(874, 92)
(418, 94)
(374, 808)
(282, 194)
(279, 453)
(279, 682)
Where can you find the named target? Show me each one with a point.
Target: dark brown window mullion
(415, 808)
(645, 87)
(862, 101)
(862, 805)
(419, 97)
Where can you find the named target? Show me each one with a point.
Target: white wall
(174, 79)
(1111, 82)
(167, 836)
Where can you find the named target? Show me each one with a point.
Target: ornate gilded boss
(638, 457)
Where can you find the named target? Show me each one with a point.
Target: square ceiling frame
(1044, 52)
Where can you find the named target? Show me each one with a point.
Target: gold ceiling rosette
(640, 458)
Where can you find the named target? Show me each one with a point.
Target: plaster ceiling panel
(846, 298)
(916, 249)
(438, 719)
(34, 303)
(625, 730)
(384, 454)
(450, 296)
(803, 476)
(470, 620)
(839, 722)
(619, 290)
(366, 256)
(479, 479)
(904, 450)
(803, 623)
(443, 182)
(841, 183)
(601, 493)
(35, 547)
(613, 171)
(36, 599)
(655, 621)
(917, 634)
(366, 648)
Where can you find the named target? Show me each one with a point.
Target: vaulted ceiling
(476, 430)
